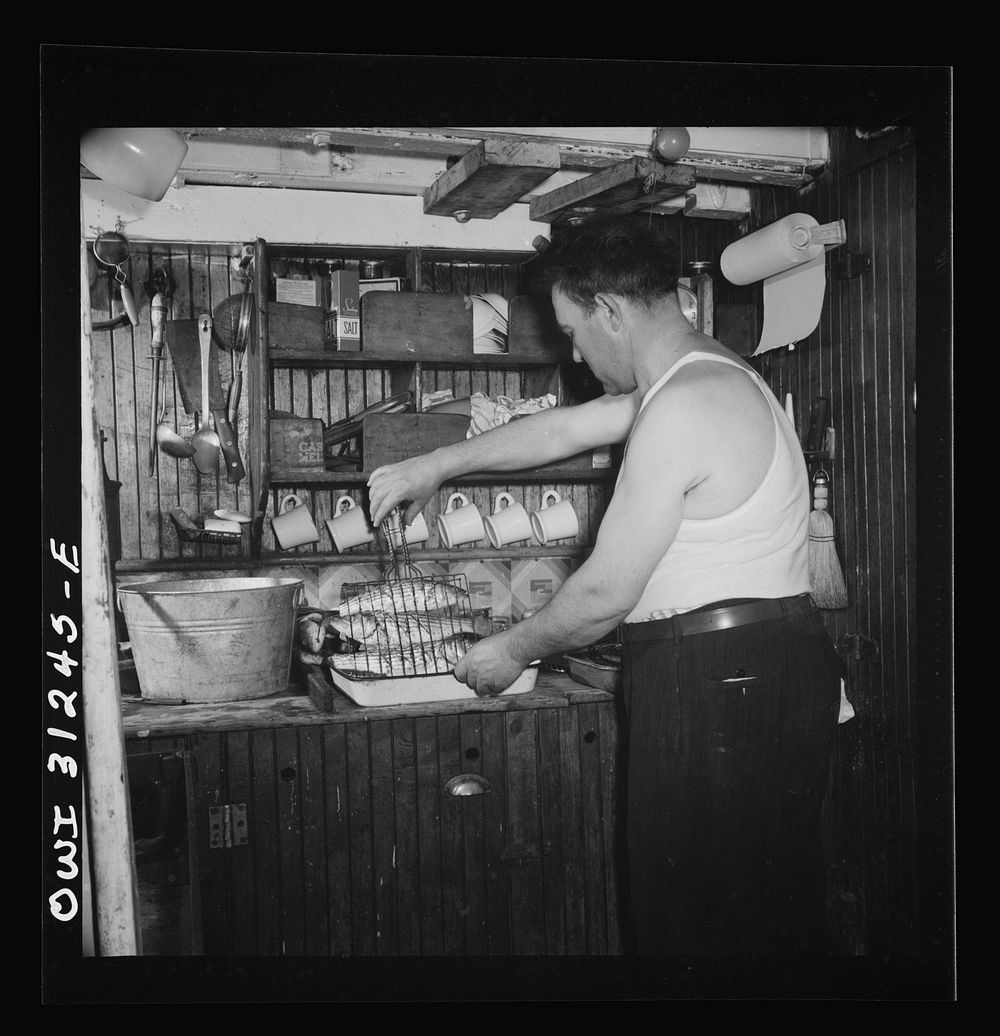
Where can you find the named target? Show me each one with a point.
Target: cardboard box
(297, 444)
(387, 438)
(380, 284)
(294, 327)
(299, 292)
(345, 305)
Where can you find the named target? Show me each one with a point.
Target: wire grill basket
(410, 624)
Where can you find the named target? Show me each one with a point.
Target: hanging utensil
(232, 323)
(169, 441)
(158, 315)
(205, 441)
(184, 339)
(111, 249)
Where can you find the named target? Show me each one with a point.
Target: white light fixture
(140, 160)
(671, 143)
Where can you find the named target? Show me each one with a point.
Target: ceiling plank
(489, 178)
(726, 154)
(639, 183)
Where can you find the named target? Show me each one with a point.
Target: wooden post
(111, 851)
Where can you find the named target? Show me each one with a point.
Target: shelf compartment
(410, 327)
(484, 478)
(474, 552)
(374, 357)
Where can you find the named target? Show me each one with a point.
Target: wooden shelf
(301, 558)
(355, 478)
(368, 358)
(473, 552)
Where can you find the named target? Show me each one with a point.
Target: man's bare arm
(526, 442)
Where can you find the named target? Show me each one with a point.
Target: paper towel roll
(793, 302)
(778, 247)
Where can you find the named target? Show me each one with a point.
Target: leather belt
(711, 620)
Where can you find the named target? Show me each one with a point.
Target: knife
(235, 471)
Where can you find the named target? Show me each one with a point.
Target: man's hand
(489, 667)
(412, 482)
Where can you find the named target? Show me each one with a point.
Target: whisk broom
(826, 576)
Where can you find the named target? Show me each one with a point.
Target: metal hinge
(227, 826)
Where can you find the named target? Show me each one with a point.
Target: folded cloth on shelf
(493, 411)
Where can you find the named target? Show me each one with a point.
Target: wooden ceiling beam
(490, 177)
(630, 186)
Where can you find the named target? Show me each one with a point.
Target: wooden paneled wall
(200, 277)
(862, 357)
(355, 848)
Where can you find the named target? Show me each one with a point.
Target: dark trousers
(730, 735)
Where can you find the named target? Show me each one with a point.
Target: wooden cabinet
(297, 374)
(354, 843)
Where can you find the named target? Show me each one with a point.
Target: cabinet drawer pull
(468, 784)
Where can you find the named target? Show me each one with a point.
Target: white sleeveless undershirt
(759, 549)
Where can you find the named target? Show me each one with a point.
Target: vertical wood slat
(494, 767)
(452, 814)
(239, 789)
(215, 902)
(524, 834)
(338, 841)
(608, 741)
(429, 835)
(315, 880)
(589, 747)
(363, 937)
(263, 811)
(572, 830)
(552, 808)
(407, 852)
(383, 813)
(473, 832)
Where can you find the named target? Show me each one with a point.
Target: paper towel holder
(829, 234)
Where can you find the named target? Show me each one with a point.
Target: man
(731, 682)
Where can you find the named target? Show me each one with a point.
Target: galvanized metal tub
(211, 640)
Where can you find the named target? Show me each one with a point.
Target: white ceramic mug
(349, 525)
(416, 532)
(460, 524)
(554, 520)
(509, 522)
(293, 524)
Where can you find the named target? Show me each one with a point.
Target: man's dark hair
(631, 256)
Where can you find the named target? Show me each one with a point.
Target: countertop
(298, 707)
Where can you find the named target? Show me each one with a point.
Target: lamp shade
(140, 160)
(672, 143)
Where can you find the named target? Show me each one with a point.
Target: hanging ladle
(111, 249)
(205, 441)
(169, 441)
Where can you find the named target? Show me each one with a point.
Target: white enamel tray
(404, 690)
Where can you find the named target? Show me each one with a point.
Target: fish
(360, 626)
(400, 631)
(311, 634)
(410, 595)
(310, 657)
(381, 663)
(451, 649)
(420, 631)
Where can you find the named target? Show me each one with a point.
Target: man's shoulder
(705, 394)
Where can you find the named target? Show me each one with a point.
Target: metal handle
(468, 784)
